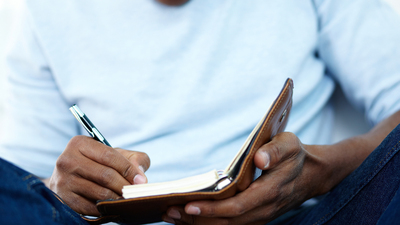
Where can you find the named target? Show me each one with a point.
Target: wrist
(332, 163)
(328, 165)
(318, 170)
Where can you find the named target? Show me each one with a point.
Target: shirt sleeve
(37, 123)
(360, 44)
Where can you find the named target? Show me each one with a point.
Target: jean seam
(366, 180)
(55, 214)
(67, 209)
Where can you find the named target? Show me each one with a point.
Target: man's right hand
(88, 171)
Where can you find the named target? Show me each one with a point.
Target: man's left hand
(291, 175)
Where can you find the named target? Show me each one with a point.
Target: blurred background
(348, 122)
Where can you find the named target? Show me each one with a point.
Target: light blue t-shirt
(187, 84)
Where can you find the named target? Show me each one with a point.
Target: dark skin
(88, 171)
(294, 173)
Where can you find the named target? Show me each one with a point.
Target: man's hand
(287, 181)
(292, 173)
(88, 171)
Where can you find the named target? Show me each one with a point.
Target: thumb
(281, 147)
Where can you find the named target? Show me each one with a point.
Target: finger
(177, 215)
(230, 207)
(106, 156)
(92, 171)
(92, 191)
(138, 158)
(259, 202)
(281, 147)
(263, 191)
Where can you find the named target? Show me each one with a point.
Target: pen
(88, 125)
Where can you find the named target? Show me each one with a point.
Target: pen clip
(88, 125)
(79, 115)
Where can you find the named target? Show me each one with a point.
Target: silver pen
(88, 125)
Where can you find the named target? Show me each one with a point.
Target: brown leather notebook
(146, 203)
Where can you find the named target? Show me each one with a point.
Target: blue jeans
(369, 195)
(24, 199)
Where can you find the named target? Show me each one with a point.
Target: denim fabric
(392, 213)
(24, 199)
(368, 195)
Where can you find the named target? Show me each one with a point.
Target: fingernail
(174, 214)
(267, 159)
(141, 168)
(139, 179)
(193, 210)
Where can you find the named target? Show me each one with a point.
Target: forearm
(338, 160)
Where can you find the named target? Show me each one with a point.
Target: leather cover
(150, 209)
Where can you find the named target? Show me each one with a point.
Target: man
(186, 85)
